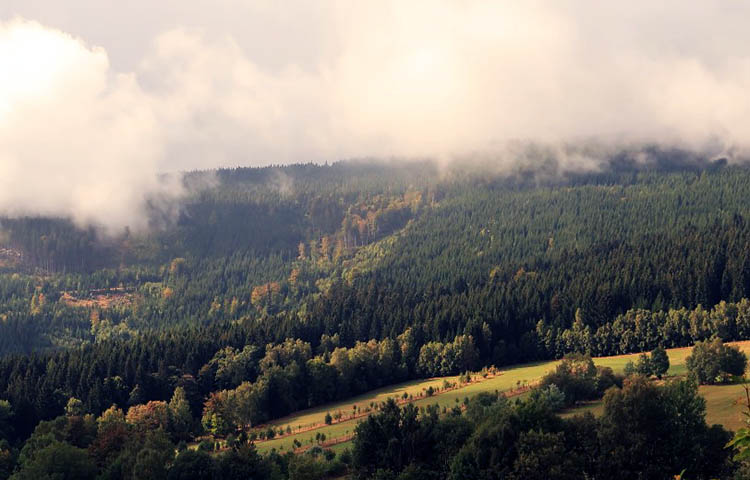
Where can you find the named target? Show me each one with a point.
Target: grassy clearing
(316, 416)
(511, 379)
(722, 405)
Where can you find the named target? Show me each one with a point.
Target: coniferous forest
(266, 291)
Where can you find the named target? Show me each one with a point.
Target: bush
(579, 379)
(551, 396)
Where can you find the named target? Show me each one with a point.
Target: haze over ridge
(92, 109)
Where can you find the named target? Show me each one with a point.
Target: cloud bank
(84, 133)
(75, 138)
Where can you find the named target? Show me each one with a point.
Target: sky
(97, 97)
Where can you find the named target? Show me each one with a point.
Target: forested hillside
(275, 289)
(366, 250)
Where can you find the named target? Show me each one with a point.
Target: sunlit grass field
(722, 400)
(511, 379)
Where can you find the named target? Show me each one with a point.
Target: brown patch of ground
(103, 298)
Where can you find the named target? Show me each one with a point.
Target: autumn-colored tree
(151, 416)
(325, 249)
(112, 434)
(265, 294)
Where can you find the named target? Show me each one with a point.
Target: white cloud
(259, 83)
(75, 139)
